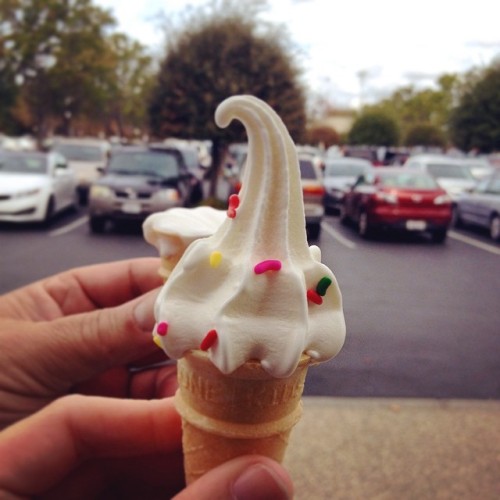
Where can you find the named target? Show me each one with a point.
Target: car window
(494, 187)
(409, 181)
(307, 169)
(79, 152)
(145, 163)
(343, 170)
(449, 171)
(23, 164)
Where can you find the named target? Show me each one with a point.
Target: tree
(475, 122)
(425, 134)
(217, 55)
(322, 134)
(374, 129)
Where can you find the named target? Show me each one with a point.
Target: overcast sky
(359, 49)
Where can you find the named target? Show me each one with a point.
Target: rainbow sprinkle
(162, 328)
(157, 341)
(267, 265)
(323, 285)
(215, 259)
(209, 340)
(314, 296)
(234, 203)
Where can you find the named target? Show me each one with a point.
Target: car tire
(97, 224)
(49, 211)
(495, 227)
(314, 231)
(456, 218)
(343, 217)
(439, 235)
(364, 228)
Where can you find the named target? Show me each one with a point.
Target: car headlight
(100, 192)
(29, 192)
(168, 195)
(442, 199)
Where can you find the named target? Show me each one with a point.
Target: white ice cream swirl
(254, 289)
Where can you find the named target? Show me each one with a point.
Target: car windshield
(307, 170)
(449, 171)
(80, 152)
(408, 181)
(145, 163)
(343, 170)
(23, 163)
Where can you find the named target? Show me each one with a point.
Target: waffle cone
(225, 416)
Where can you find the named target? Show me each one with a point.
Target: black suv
(138, 181)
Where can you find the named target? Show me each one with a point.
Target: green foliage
(424, 135)
(216, 56)
(475, 122)
(374, 129)
(58, 63)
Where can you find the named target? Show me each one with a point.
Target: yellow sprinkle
(157, 341)
(215, 259)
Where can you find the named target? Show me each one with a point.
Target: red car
(400, 199)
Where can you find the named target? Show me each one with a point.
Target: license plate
(416, 225)
(131, 207)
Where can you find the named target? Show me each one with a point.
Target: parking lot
(422, 319)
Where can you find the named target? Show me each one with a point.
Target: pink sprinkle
(314, 296)
(209, 340)
(267, 265)
(162, 328)
(231, 212)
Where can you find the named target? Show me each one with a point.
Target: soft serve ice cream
(254, 290)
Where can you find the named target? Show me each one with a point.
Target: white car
(34, 186)
(450, 173)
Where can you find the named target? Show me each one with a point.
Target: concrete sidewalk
(400, 449)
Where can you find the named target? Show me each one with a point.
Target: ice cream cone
(225, 416)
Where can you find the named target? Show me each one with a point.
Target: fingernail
(144, 312)
(259, 482)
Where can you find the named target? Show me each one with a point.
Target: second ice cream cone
(225, 416)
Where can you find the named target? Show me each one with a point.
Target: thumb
(251, 477)
(82, 345)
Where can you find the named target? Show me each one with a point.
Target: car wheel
(439, 236)
(364, 229)
(97, 224)
(343, 217)
(495, 228)
(456, 218)
(314, 231)
(49, 211)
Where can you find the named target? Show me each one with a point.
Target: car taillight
(314, 190)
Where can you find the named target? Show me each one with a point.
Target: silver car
(481, 206)
(450, 173)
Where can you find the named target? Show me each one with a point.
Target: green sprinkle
(323, 285)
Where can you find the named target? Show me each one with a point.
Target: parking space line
(337, 236)
(69, 227)
(474, 243)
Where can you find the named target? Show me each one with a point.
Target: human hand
(80, 331)
(91, 447)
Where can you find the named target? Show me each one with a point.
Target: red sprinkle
(234, 203)
(162, 328)
(209, 340)
(314, 296)
(267, 265)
